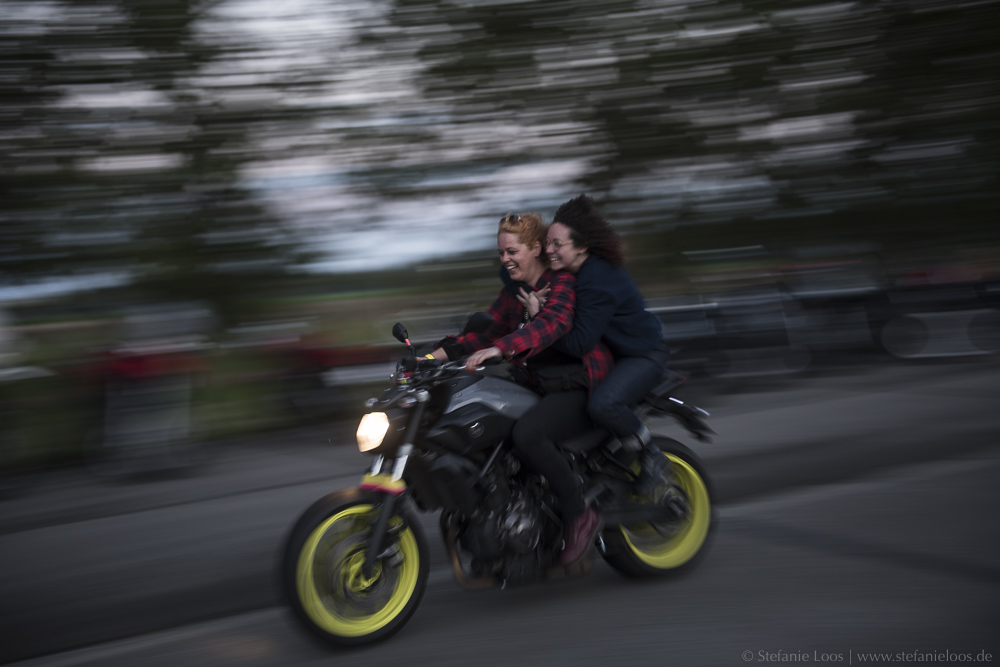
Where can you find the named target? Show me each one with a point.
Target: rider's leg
(556, 417)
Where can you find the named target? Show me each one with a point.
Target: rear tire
(667, 548)
(323, 576)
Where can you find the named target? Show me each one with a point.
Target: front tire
(323, 576)
(669, 547)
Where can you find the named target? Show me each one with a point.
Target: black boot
(655, 470)
(635, 442)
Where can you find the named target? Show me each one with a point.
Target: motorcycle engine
(507, 523)
(519, 528)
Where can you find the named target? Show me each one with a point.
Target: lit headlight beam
(372, 430)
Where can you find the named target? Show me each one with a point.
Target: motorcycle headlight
(372, 430)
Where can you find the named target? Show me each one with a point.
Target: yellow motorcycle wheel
(326, 582)
(649, 548)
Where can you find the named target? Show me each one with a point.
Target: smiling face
(522, 262)
(563, 254)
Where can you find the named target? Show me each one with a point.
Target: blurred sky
(364, 231)
(788, 119)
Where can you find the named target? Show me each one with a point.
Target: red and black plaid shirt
(551, 323)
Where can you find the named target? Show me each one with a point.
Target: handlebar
(426, 366)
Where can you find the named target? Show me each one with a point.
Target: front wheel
(673, 544)
(325, 580)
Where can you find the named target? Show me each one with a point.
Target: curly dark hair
(589, 229)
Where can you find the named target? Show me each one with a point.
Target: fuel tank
(479, 413)
(501, 396)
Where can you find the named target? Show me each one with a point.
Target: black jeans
(556, 417)
(632, 378)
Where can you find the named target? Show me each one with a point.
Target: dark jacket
(609, 306)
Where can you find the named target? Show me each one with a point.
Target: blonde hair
(529, 229)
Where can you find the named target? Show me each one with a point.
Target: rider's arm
(551, 323)
(505, 312)
(595, 306)
(440, 354)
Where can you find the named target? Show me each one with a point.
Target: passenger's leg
(610, 405)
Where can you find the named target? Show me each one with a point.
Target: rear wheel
(673, 544)
(325, 580)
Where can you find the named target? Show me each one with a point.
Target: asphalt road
(857, 516)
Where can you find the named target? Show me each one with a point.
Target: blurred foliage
(113, 164)
(210, 151)
(204, 148)
(776, 121)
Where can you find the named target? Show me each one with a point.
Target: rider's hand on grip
(479, 357)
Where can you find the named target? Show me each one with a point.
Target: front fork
(391, 487)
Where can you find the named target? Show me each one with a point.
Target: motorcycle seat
(592, 439)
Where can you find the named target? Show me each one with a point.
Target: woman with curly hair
(610, 307)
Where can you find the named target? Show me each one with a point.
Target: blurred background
(213, 212)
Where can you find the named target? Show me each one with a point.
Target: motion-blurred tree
(116, 162)
(773, 121)
(141, 136)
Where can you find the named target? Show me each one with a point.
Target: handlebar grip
(423, 362)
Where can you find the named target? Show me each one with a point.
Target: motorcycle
(355, 563)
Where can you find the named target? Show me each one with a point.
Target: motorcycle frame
(391, 487)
